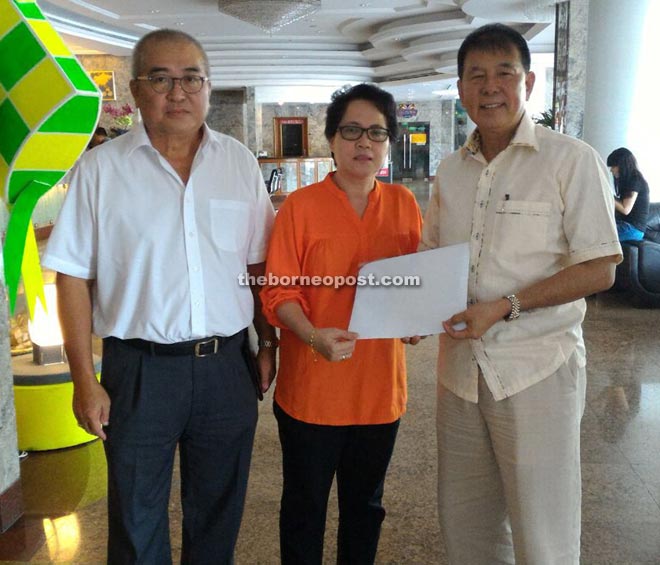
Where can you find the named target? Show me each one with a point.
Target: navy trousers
(311, 456)
(205, 405)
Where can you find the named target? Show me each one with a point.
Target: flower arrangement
(122, 116)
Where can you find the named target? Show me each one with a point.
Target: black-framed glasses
(353, 133)
(162, 84)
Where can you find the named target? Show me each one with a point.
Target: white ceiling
(407, 46)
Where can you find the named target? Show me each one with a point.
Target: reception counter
(297, 171)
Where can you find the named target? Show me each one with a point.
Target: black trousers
(205, 405)
(311, 455)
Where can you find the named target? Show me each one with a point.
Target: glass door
(410, 154)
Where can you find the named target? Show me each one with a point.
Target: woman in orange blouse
(338, 399)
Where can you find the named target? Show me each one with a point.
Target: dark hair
(381, 99)
(628, 170)
(161, 35)
(494, 37)
(100, 131)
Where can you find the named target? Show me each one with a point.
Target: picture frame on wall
(105, 82)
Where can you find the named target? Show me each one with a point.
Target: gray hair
(160, 35)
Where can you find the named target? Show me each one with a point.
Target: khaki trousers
(509, 485)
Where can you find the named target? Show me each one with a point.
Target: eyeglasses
(353, 133)
(162, 84)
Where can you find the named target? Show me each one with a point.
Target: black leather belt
(197, 347)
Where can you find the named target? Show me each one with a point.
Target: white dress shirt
(543, 204)
(165, 257)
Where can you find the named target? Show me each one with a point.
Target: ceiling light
(269, 15)
(539, 10)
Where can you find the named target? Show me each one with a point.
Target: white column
(11, 506)
(622, 84)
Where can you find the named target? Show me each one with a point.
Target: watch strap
(515, 307)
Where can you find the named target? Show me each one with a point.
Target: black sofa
(639, 272)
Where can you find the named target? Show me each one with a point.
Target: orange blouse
(317, 232)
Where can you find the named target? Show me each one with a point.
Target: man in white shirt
(536, 209)
(156, 229)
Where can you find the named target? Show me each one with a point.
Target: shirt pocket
(521, 228)
(229, 224)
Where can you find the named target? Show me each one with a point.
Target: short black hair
(494, 37)
(101, 131)
(381, 99)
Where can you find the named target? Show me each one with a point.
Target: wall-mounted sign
(406, 111)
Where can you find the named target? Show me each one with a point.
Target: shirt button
(476, 236)
(191, 233)
(472, 269)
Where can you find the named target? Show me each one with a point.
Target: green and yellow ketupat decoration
(48, 111)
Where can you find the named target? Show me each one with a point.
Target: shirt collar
(137, 137)
(334, 187)
(525, 136)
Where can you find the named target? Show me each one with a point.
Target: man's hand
(478, 319)
(267, 365)
(334, 344)
(91, 407)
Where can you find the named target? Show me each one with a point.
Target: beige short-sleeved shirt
(543, 204)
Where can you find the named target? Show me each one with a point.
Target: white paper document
(382, 311)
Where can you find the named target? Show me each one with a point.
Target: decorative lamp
(45, 332)
(269, 15)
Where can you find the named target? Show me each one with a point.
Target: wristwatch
(515, 307)
(269, 343)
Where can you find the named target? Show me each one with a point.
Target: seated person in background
(631, 202)
(100, 136)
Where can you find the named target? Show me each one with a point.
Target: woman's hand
(413, 339)
(334, 344)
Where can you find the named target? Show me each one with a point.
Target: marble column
(11, 502)
(616, 43)
(578, 21)
(251, 137)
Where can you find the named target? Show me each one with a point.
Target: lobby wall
(440, 114)
(121, 66)
(228, 113)
(315, 114)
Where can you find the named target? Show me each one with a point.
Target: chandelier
(269, 15)
(539, 10)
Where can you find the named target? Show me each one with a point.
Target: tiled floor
(422, 191)
(64, 490)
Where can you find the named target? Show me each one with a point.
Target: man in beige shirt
(536, 209)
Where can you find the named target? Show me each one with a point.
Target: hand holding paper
(383, 311)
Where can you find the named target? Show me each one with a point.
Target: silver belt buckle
(201, 343)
